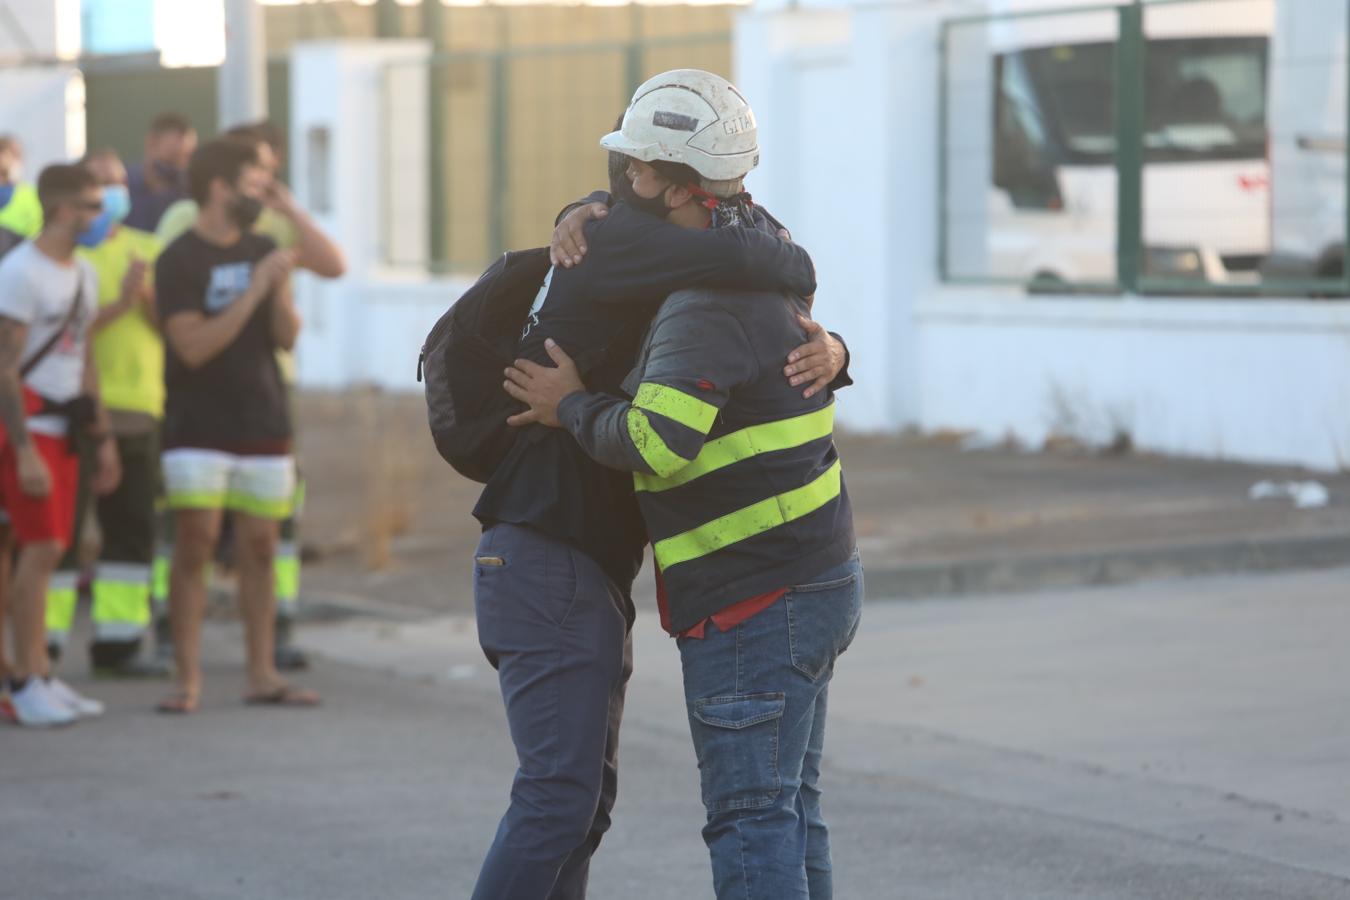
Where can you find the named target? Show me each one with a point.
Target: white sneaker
(82, 706)
(36, 707)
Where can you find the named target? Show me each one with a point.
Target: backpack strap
(71, 314)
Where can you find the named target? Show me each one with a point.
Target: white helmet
(692, 117)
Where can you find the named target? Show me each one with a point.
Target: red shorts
(49, 518)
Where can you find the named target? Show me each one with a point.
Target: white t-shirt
(38, 291)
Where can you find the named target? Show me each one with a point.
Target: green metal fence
(1147, 147)
(123, 96)
(514, 135)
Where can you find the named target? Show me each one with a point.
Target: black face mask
(652, 206)
(245, 211)
(619, 184)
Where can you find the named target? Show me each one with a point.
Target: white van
(1051, 214)
(1308, 140)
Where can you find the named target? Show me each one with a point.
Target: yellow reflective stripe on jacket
(741, 445)
(676, 405)
(655, 453)
(688, 410)
(750, 521)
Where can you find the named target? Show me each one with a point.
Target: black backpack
(463, 359)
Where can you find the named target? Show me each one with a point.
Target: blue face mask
(116, 205)
(116, 201)
(6, 194)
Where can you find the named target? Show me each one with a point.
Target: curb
(1008, 575)
(331, 606)
(922, 581)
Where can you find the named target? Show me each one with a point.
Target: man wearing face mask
(129, 354)
(224, 296)
(49, 399)
(282, 218)
(563, 537)
(20, 209)
(159, 181)
(291, 227)
(742, 492)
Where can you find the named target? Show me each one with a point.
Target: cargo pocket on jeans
(737, 742)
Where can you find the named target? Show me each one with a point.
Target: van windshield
(1205, 98)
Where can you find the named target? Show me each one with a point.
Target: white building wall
(828, 86)
(44, 107)
(359, 162)
(40, 29)
(1262, 381)
(846, 98)
(42, 99)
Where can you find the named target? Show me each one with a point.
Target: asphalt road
(1187, 740)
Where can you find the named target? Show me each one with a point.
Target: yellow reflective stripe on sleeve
(688, 410)
(121, 602)
(741, 445)
(750, 521)
(662, 459)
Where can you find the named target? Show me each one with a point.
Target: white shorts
(261, 486)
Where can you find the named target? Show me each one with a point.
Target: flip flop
(284, 696)
(179, 704)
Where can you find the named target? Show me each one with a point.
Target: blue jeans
(553, 626)
(756, 697)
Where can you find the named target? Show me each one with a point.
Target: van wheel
(1331, 264)
(1047, 283)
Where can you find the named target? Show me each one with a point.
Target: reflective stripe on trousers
(62, 593)
(286, 575)
(121, 607)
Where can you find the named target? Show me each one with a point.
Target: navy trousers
(553, 626)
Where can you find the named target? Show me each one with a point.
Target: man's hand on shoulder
(568, 246)
(542, 388)
(817, 362)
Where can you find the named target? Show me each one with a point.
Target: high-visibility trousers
(63, 587)
(120, 610)
(286, 566)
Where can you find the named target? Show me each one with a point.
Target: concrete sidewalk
(1178, 740)
(932, 519)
